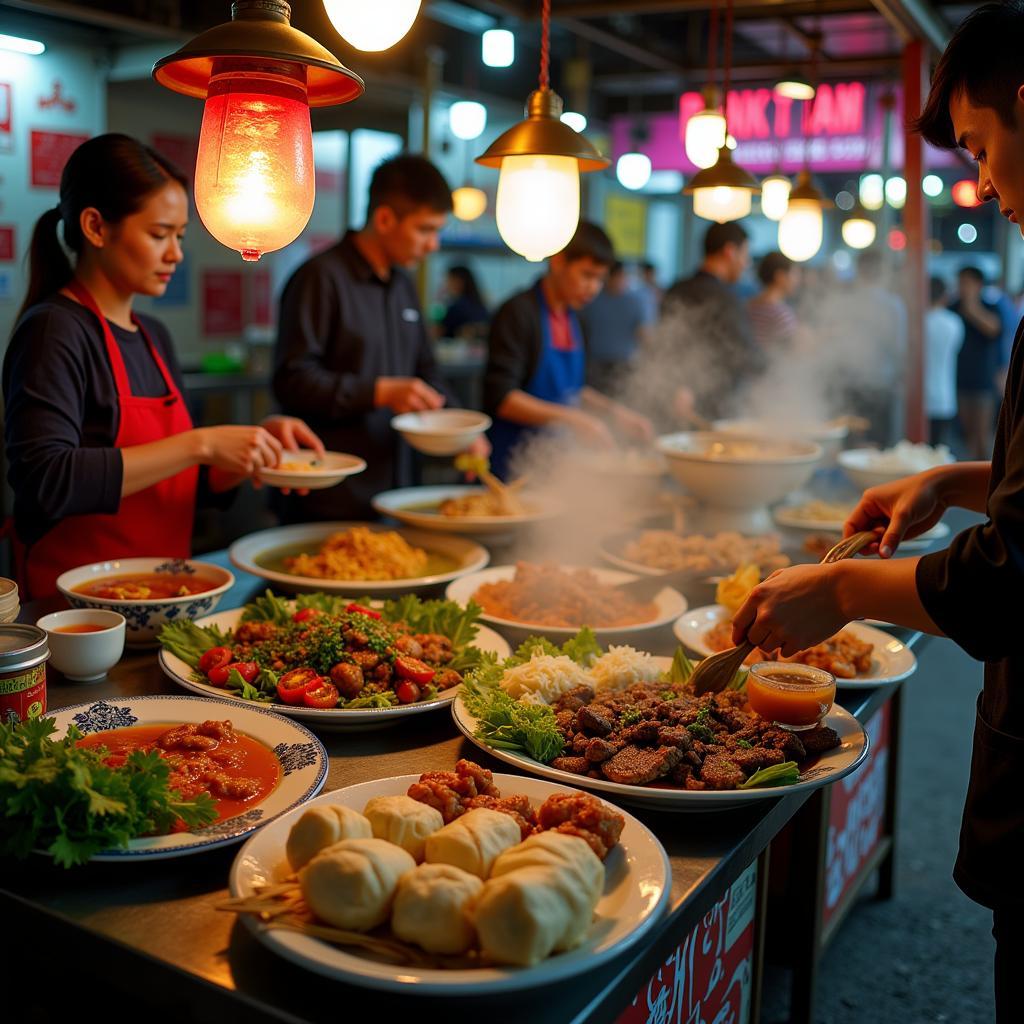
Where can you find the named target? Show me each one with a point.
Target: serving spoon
(713, 674)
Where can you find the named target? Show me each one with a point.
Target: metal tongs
(713, 674)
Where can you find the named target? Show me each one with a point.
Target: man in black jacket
(969, 592)
(536, 363)
(352, 348)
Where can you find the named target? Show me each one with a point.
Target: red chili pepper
(292, 685)
(413, 669)
(362, 610)
(322, 694)
(213, 657)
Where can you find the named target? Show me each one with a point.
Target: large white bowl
(737, 474)
(861, 467)
(144, 618)
(441, 431)
(829, 435)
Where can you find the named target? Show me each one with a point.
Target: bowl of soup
(85, 643)
(148, 592)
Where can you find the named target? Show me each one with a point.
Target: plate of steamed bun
(449, 883)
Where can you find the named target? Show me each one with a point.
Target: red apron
(156, 521)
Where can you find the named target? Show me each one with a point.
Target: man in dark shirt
(715, 352)
(969, 592)
(536, 362)
(352, 348)
(977, 363)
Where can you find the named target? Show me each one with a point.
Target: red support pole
(916, 224)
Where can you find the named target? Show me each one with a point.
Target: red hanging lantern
(254, 181)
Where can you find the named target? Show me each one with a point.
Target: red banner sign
(50, 152)
(709, 978)
(6, 116)
(222, 301)
(6, 243)
(857, 815)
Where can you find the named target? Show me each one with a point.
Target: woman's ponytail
(49, 269)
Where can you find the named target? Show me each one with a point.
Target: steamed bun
(556, 849)
(432, 908)
(352, 883)
(320, 827)
(473, 840)
(403, 821)
(524, 916)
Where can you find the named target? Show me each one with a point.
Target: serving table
(147, 937)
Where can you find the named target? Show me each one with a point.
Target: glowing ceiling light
(372, 26)
(802, 229)
(704, 137)
(859, 231)
(794, 86)
(967, 233)
(722, 192)
(254, 181)
(540, 160)
(469, 203)
(19, 45)
(965, 193)
(633, 170)
(775, 196)
(498, 48)
(932, 186)
(577, 122)
(467, 119)
(872, 191)
(896, 192)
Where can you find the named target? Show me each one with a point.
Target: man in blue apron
(536, 363)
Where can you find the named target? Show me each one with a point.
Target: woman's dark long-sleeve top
(61, 413)
(973, 591)
(340, 328)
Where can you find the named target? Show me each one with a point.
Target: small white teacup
(81, 654)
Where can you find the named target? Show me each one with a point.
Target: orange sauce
(147, 586)
(789, 698)
(85, 627)
(239, 758)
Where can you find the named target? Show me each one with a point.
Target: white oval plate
(322, 718)
(670, 604)
(407, 506)
(891, 660)
(302, 756)
(784, 517)
(244, 553)
(329, 470)
(637, 889)
(829, 768)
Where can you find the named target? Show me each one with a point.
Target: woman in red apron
(103, 457)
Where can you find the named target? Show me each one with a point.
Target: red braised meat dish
(205, 757)
(470, 786)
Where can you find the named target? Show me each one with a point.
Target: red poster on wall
(222, 301)
(6, 116)
(50, 152)
(710, 976)
(261, 313)
(6, 243)
(181, 150)
(857, 815)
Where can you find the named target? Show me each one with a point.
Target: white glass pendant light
(633, 170)
(468, 203)
(775, 191)
(705, 136)
(372, 26)
(467, 119)
(802, 228)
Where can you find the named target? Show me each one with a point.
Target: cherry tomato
(213, 657)
(407, 692)
(362, 610)
(322, 694)
(218, 675)
(248, 670)
(413, 669)
(292, 685)
(304, 614)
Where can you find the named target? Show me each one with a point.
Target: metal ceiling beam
(915, 19)
(76, 12)
(654, 83)
(747, 10)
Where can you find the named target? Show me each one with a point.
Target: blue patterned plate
(302, 756)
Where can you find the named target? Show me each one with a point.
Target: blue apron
(558, 378)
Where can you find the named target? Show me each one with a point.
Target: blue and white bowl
(143, 618)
